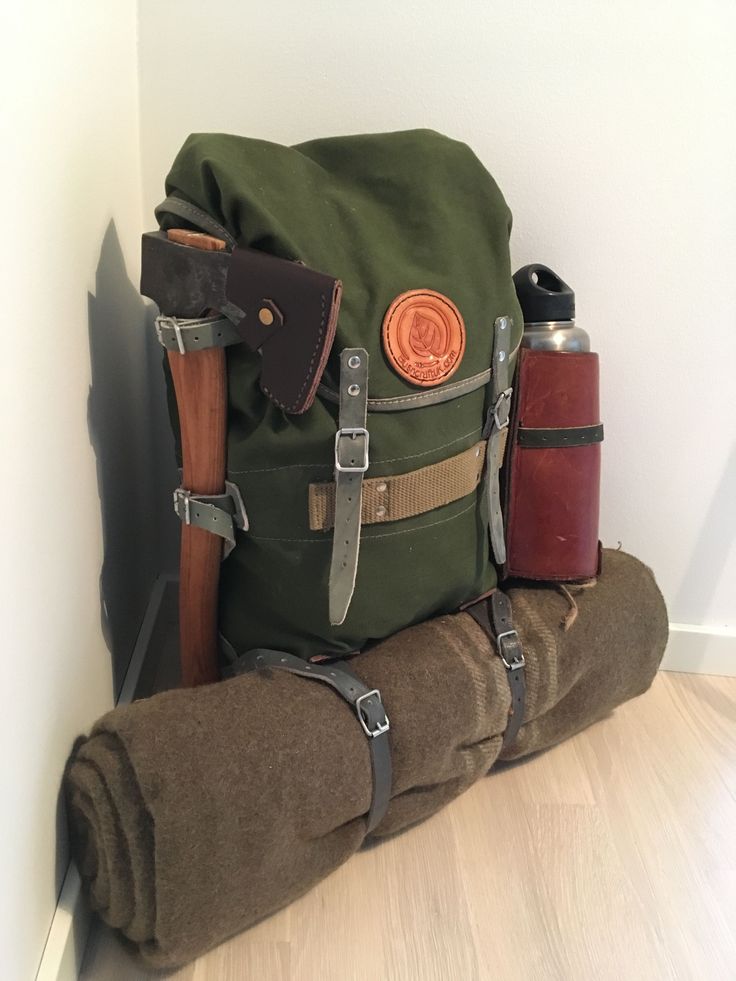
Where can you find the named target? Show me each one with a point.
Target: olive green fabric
(385, 214)
(197, 812)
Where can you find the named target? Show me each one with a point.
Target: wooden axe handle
(200, 384)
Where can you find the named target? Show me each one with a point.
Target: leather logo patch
(424, 337)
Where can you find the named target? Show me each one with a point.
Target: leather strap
(220, 514)
(559, 437)
(194, 216)
(351, 462)
(497, 422)
(365, 701)
(407, 494)
(493, 613)
(195, 334)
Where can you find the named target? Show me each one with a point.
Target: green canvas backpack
(369, 511)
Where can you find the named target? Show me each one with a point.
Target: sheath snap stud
(354, 361)
(269, 314)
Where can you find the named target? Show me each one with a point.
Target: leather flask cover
(553, 468)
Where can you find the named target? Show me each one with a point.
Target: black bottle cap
(543, 295)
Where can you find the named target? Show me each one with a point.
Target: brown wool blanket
(198, 811)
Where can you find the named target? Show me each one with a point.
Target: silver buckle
(181, 495)
(381, 727)
(352, 433)
(503, 403)
(173, 323)
(518, 661)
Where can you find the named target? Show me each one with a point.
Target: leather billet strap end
(351, 462)
(220, 514)
(496, 431)
(493, 614)
(365, 701)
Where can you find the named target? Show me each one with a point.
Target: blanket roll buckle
(219, 514)
(509, 650)
(371, 714)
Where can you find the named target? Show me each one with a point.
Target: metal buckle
(182, 495)
(173, 324)
(503, 402)
(380, 727)
(352, 433)
(518, 661)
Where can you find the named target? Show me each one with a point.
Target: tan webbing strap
(406, 494)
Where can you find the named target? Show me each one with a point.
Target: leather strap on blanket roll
(493, 614)
(351, 462)
(407, 494)
(366, 702)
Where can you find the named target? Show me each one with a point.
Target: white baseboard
(65, 944)
(701, 650)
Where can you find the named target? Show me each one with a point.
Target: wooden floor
(610, 856)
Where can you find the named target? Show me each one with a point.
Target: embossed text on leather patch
(424, 337)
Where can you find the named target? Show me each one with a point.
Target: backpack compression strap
(364, 700)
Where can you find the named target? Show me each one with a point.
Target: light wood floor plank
(612, 856)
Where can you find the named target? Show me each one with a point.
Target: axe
(280, 309)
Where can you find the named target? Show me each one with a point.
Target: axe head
(280, 308)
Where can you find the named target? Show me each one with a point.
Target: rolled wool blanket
(196, 812)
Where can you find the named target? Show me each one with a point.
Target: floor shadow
(124, 412)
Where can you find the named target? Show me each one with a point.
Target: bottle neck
(556, 335)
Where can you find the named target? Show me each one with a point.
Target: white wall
(73, 405)
(610, 128)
